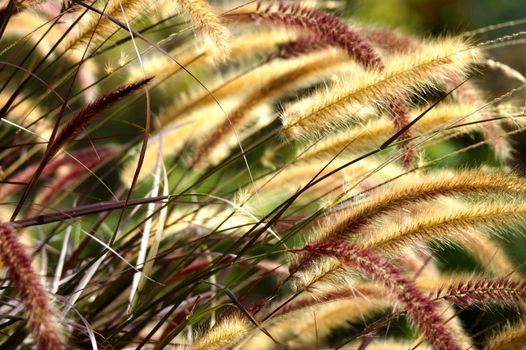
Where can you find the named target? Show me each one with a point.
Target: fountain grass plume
(41, 318)
(420, 309)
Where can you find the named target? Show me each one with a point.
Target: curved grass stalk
(145, 239)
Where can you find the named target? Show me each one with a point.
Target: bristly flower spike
(419, 308)
(331, 29)
(207, 23)
(484, 291)
(82, 118)
(40, 316)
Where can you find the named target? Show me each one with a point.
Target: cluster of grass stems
(253, 175)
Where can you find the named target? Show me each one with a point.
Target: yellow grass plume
(382, 223)
(491, 256)
(416, 192)
(45, 34)
(34, 26)
(224, 334)
(174, 136)
(404, 73)
(285, 181)
(301, 329)
(445, 226)
(223, 219)
(511, 337)
(371, 134)
(241, 83)
(286, 77)
(28, 115)
(207, 23)
(246, 44)
(387, 344)
(92, 27)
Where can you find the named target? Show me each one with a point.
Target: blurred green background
(436, 16)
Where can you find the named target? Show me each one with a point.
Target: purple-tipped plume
(40, 316)
(82, 118)
(328, 28)
(503, 290)
(419, 308)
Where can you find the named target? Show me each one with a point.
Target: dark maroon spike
(301, 46)
(82, 118)
(40, 316)
(418, 307)
(328, 28)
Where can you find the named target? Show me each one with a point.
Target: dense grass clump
(227, 175)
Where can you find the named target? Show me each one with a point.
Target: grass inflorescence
(201, 174)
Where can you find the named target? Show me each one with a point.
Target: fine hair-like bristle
(93, 28)
(511, 336)
(296, 73)
(348, 223)
(484, 291)
(330, 29)
(75, 125)
(224, 334)
(300, 329)
(419, 308)
(371, 134)
(40, 315)
(289, 178)
(404, 73)
(446, 226)
(207, 23)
